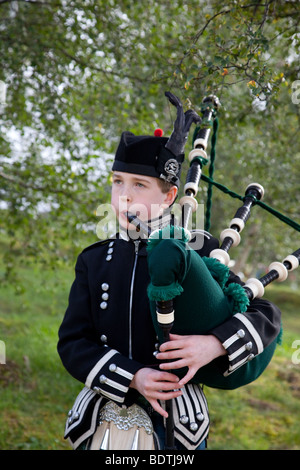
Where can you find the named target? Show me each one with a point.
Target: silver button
(102, 379)
(110, 251)
(194, 426)
(184, 419)
(103, 338)
(105, 286)
(249, 346)
(241, 333)
(108, 258)
(73, 418)
(105, 296)
(112, 367)
(111, 244)
(103, 305)
(96, 389)
(250, 357)
(200, 416)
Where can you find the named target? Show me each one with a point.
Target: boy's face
(140, 195)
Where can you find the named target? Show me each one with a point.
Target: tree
(79, 73)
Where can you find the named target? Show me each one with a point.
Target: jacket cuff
(242, 345)
(111, 375)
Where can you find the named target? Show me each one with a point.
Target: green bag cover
(201, 301)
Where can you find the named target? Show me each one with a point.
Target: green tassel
(159, 293)
(219, 271)
(239, 297)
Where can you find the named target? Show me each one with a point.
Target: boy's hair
(165, 186)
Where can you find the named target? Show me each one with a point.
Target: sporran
(123, 428)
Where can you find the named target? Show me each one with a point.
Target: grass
(36, 392)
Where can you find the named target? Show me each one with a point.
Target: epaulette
(96, 244)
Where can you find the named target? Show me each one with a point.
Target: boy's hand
(156, 385)
(192, 351)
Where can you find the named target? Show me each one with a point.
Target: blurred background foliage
(80, 73)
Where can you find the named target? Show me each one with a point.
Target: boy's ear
(171, 195)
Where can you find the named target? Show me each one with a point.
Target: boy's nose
(125, 198)
(128, 192)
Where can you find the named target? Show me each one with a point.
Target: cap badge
(171, 168)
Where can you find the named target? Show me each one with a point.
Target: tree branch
(16, 181)
(99, 69)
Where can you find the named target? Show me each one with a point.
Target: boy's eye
(140, 185)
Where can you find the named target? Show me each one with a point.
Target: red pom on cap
(158, 132)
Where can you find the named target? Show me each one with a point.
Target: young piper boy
(107, 339)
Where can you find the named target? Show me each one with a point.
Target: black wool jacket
(107, 334)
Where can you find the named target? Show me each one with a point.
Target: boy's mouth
(130, 215)
(139, 224)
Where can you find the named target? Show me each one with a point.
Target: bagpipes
(189, 294)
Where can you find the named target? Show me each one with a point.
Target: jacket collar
(166, 219)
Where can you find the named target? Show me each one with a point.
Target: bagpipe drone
(189, 294)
